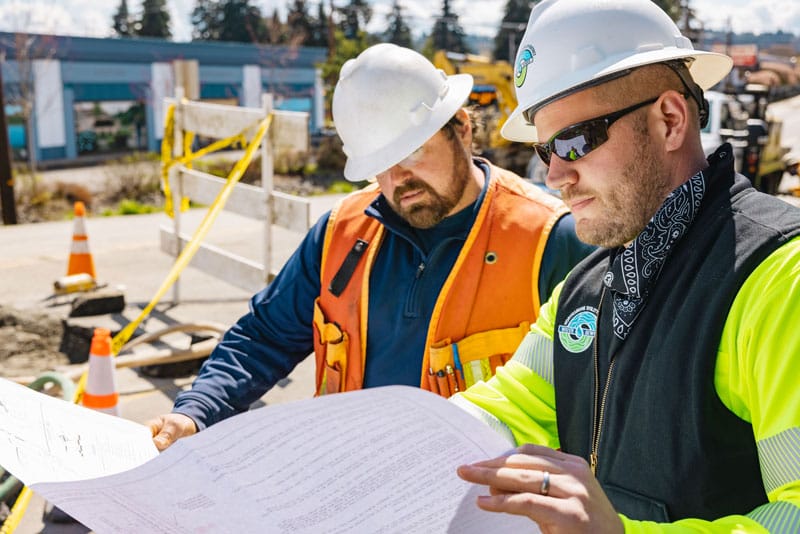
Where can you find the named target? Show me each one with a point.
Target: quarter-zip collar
(455, 226)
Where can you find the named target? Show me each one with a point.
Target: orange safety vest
(484, 309)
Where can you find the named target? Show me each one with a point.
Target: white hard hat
(388, 102)
(572, 44)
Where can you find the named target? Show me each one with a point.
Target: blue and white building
(68, 75)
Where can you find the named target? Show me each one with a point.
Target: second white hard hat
(572, 44)
(388, 102)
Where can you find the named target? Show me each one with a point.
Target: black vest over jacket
(668, 448)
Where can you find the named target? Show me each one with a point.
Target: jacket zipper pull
(420, 268)
(593, 463)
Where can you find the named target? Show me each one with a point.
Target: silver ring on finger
(544, 489)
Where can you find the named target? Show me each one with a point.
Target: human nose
(394, 175)
(560, 173)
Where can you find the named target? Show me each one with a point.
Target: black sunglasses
(574, 142)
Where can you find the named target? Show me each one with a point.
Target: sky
(92, 18)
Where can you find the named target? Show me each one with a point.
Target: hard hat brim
(707, 69)
(359, 169)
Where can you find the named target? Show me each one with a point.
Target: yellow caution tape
(23, 500)
(191, 248)
(17, 511)
(167, 161)
(205, 225)
(166, 158)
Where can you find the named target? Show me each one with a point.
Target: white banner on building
(251, 86)
(319, 101)
(162, 86)
(49, 103)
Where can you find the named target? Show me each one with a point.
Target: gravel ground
(29, 342)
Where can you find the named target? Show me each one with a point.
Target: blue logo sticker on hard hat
(524, 58)
(577, 334)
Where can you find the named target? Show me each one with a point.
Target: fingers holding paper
(167, 429)
(555, 489)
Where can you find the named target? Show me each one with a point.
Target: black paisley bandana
(634, 271)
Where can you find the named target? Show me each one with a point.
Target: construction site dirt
(29, 342)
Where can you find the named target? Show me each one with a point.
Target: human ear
(674, 116)
(464, 126)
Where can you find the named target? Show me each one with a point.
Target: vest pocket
(635, 505)
(336, 365)
(477, 356)
(335, 345)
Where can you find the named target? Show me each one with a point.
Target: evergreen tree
(511, 28)
(343, 49)
(447, 33)
(671, 7)
(398, 31)
(689, 24)
(122, 20)
(204, 23)
(242, 22)
(228, 20)
(155, 20)
(354, 17)
(299, 24)
(276, 29)
(319, 31)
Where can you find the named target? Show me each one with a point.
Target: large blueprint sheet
(379, 460)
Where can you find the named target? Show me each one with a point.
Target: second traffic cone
(101, 386)
(80, 259)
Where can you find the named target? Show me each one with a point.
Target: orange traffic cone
(80, 259)
(101, 386)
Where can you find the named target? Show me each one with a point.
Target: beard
(434, 206)
(634, 199)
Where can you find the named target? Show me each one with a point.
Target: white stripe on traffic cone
(101, 386)
(80, 259)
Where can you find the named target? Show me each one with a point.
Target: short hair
(480, 136)
(649, 81)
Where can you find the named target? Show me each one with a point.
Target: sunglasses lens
(580, 140)
(543, 150)
(577, 141)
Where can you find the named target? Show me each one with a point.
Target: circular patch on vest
(577, 333)
(490, 258)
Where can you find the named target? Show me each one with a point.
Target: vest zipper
(599, 411)
(599, 415)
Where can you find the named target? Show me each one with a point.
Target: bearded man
(428, 277)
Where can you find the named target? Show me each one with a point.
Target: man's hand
(555, 489)
(168, 428)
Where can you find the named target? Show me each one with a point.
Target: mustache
(412, 184)
(569, 193)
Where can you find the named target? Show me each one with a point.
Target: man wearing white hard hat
(659, 390)
(429, 277)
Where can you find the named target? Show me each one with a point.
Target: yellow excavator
(493, 99)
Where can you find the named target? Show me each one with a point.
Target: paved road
(126, 253)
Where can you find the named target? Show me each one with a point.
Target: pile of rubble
(30, 342)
